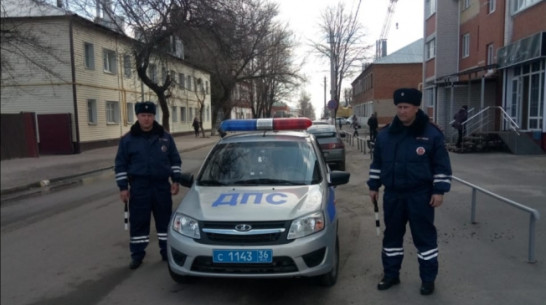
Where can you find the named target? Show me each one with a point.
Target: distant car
(318, 122)
(331, 144)
(261, 206)
(341, 121)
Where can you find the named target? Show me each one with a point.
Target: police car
(261, 206)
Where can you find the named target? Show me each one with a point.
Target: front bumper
(304, 257)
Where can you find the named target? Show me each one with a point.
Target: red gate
(55, 131)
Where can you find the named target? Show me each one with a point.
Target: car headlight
(186, 226)
(306, 225)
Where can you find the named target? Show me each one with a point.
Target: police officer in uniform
(147, 157)
(411, 161)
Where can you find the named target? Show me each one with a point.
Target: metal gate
(55, 131)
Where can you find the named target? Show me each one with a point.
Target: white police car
(261, 206)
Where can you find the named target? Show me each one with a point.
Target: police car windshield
(261, 163)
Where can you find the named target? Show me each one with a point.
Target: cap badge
(420, 150)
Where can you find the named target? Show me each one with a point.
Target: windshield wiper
(210, 183)
(267, 181)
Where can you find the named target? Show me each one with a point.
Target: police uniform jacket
(410, 159)
(147, 155)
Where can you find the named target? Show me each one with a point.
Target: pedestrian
(147, 157)
(340, 123)
(355, 125)
(459, 118)
(195, 125)
(411, 161)
(372, 124)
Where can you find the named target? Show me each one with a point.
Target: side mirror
(186, 179)
(339, 177)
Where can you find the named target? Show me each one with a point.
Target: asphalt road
(69, 247)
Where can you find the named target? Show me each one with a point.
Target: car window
(261, 163)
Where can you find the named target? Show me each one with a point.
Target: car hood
(257, 203)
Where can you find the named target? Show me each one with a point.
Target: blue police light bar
(266, 124)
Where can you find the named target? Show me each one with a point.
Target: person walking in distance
(146, 158)
(460, 117)
(372, 124)
(195, 125)
(411, 161)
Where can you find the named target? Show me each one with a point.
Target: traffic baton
(376, 210)
(126, 216)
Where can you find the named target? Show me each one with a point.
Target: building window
(466, 4)
(430, 49)
(207, 87)
(183, 114)
(181, 80)
(492, 5)
(112, 112)
(109, 60)
(127, 68)
(490, 54)
(430, 7)
(89, 50)
(188, 82)
(173, 111)
(208, 113)
(520, 5)
(130, 113)
(466, 45)
(92, 112)
(152, 72)
(191, 113)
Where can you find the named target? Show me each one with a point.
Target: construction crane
(381, 43)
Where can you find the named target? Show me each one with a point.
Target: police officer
(147, 157)
(411, 161)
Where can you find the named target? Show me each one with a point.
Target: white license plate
(252, 256)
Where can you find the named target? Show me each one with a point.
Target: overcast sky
(303, 17)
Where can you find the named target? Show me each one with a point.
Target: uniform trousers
(399, 209)
(148, 197)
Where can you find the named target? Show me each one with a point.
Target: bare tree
(306, 107)
(343, 44)
(21, 42)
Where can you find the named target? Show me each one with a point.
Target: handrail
(534, 214)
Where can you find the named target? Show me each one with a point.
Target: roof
(412, 53)
(30, 8)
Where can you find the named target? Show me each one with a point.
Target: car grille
(224, 233)
(281, 264)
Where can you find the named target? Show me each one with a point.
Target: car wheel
(180, 279)
(329, 279)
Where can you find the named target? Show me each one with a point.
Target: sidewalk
(22, 174)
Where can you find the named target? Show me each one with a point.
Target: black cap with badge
(407, 95)
(145, 107)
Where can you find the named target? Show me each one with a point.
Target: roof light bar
(266, 124)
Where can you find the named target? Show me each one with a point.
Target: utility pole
(333, 74)
(324, 109)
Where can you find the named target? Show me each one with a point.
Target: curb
(40, 185)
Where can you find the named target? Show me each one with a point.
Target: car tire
(329, 279)
(180, 279)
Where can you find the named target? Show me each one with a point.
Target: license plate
(242, 256)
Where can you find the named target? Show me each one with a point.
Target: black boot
(135, 264)
(387, 283)
(427, 288)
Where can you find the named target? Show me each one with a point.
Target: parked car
(261, 206)
(320, 122)
(331, 144)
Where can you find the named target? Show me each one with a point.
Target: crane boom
(381, 43)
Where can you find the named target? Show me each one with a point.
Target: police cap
(145, 107)
(407, 95)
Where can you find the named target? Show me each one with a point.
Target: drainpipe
(74, 94)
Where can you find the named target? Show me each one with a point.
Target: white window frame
(173, 111)
(181, 80)
(152, 72)
(520, 5)
(89, 50)
(466, 4)
(109, 59)
(130, 113)
(112, 112)
(430, 49)
(92, 112)
(183, 114)
(189, 83)
(492, 6)
(430, 8)
(127, 66)
(465, 49)
(490, 54)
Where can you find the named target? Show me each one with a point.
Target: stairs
(480, 142)
(521, 144)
